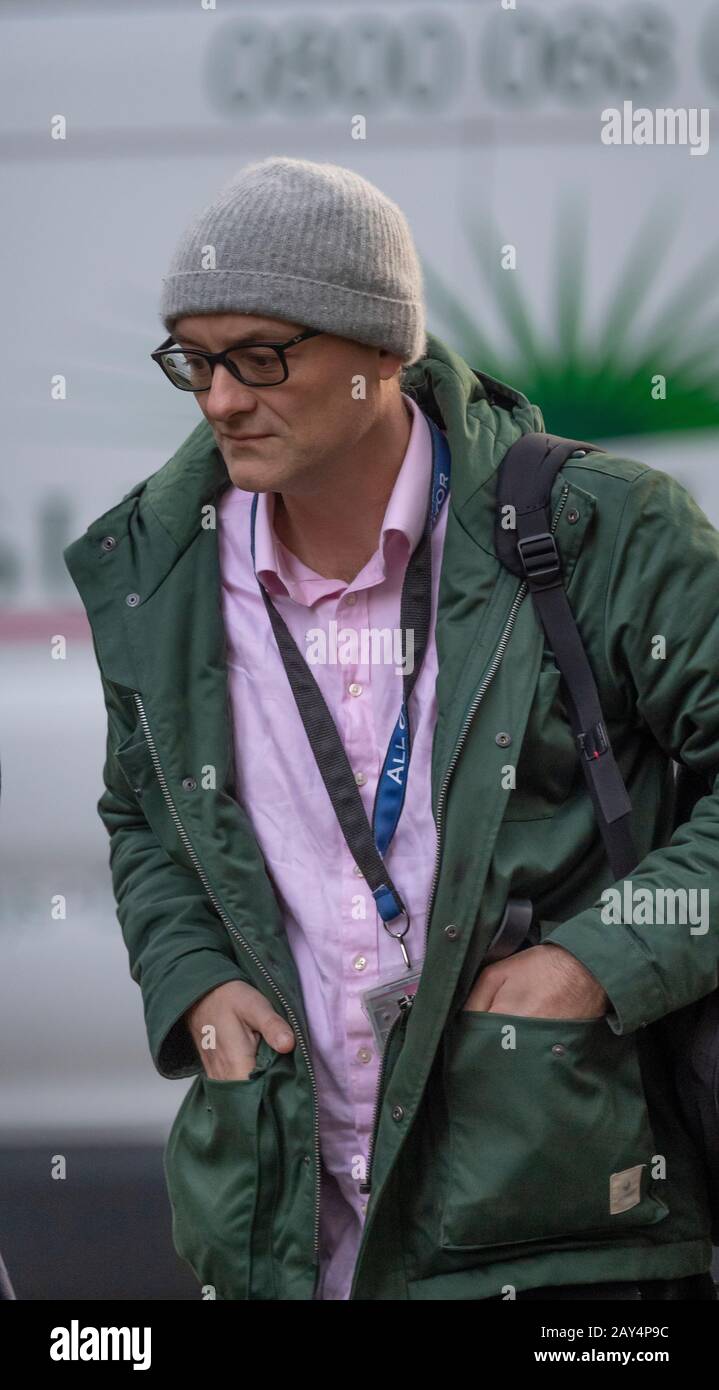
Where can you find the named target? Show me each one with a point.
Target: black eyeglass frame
(213, 357)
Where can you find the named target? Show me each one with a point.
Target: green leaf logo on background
(593, 383)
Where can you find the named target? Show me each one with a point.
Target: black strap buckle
(540, 557)
(594, 742)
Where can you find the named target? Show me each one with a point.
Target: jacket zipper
(229, 924)
(491, 672)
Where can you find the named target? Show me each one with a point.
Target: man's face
(308, 422)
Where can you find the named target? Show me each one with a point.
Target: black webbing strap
(325, 742)
(525, 479)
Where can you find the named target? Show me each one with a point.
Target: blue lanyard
(321, 730)
(392, 785)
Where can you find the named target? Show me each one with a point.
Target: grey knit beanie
(315, 244)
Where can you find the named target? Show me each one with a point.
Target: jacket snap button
(572, 516)
(397, 1112)
(108, 542)
(189, 784)
(307, 1159)
(503, 739)
(451, 931)
(132, 600)
(559, 1049)
(579, 454)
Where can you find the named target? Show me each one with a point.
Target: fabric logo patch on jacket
(625, 1189)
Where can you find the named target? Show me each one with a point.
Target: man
(302, 813)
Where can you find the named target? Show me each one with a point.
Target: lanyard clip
(390, 906)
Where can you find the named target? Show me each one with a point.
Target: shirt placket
(358, 914)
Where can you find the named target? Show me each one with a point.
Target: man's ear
(390, 364)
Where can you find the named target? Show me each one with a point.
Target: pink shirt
(335, 933)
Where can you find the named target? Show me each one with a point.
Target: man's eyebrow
(253, 335)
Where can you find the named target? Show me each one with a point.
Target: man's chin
(250, 475)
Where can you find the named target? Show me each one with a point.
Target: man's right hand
(240, 1016)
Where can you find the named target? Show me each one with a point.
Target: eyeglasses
(254, 364)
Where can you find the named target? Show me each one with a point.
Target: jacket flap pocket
(222, 1195)
(549, 1131)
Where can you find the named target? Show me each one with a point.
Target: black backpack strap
(525, 479)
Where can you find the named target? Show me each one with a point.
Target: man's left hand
(541, 982)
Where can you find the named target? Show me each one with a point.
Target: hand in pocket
(543, 981)
(240, 1016)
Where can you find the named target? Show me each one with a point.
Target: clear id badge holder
(385, 1001)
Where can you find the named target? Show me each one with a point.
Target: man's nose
(227, 395)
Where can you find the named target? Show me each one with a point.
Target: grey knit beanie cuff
(314, 244)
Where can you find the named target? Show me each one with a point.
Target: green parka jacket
(509, 1152)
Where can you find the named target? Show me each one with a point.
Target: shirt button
(350, 600)
(357, 871)
(360, 779)
(359, 962)
(354, 688)
(364, 1054)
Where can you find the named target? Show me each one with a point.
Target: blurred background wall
(484, 124)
